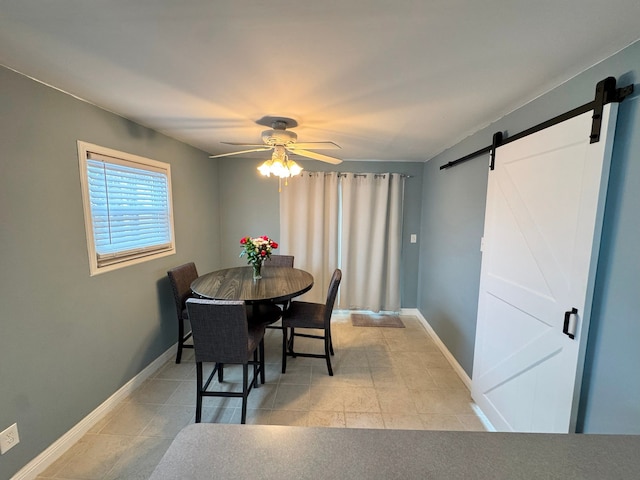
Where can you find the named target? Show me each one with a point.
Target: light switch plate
(9, 438)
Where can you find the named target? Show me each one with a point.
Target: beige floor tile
(363, 420)
(168, 421)
(472, 423)
(419, 379)
(131, 419)
(184, 394)
(442, 401)
(399, 421)
(320, 374)
(435, 360)
(77, 448)
(138, 462)
(396, 400)
(439, 421)
(326, 419)
(272, 373)
(349, 377)
(292, 397)
(327, 398)
(97, 455)
(407, 361)
(255, 416)
(262, 397)
(154, 391)
(385, 377)
(447, 378)
(358, 336)
(295, 418)
(100, 424)
(361, 400)
(350, 358)
(176, 371)
(296, 374)
(219, 414)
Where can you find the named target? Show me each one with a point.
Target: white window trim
(135, 256)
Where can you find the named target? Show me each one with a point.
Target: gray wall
(250, 206)
(68, 341)
(452, 224)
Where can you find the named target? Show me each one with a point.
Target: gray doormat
(376, 320)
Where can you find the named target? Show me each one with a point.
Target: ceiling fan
(283, 141)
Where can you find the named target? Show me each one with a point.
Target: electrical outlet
(9, 438)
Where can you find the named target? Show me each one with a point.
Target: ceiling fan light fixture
(265, 168)
(279, 165)
(279, 169)
(294, 168)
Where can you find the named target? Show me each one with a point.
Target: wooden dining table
(277, 285)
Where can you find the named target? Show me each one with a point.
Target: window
(127, 207)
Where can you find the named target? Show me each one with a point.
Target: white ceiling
(385, 79)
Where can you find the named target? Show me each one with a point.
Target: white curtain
(371, 241)
(309, 227)
(347, 221)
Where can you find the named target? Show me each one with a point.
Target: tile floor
(383, 378)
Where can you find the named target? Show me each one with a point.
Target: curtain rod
(344, 174)
(606, 92)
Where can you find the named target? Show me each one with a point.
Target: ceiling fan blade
(315, 146)
(316, 156)
(246, 144)
(261, 149)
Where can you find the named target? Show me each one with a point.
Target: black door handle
(567, 318)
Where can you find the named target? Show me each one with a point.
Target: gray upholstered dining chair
(307, 315)
(180, 279)
(223, 335)
(279, 261)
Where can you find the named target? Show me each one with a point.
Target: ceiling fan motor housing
(279, 137)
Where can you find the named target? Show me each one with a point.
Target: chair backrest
(220, 330)
(279, 261)
(336, 278)
(180, 279)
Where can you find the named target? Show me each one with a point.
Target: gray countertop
(208, 451)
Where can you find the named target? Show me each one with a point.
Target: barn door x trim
(606, 92)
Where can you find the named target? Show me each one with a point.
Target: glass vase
(257, 271)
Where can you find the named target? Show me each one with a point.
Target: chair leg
(245, 389)
(327, 348)
(284, 349)
(220, 372)
(293, 336)
(330, 342)
(255, 368)
(198, 392)
(180, 340)
(262, 372)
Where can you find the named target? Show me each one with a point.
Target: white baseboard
(443, 348)
(39, 464)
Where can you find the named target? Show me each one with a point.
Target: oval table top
(277, 284)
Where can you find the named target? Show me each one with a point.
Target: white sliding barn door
(541, 239)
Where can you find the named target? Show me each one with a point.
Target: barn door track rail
(606, 92)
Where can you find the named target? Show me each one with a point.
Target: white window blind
(129, 203)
